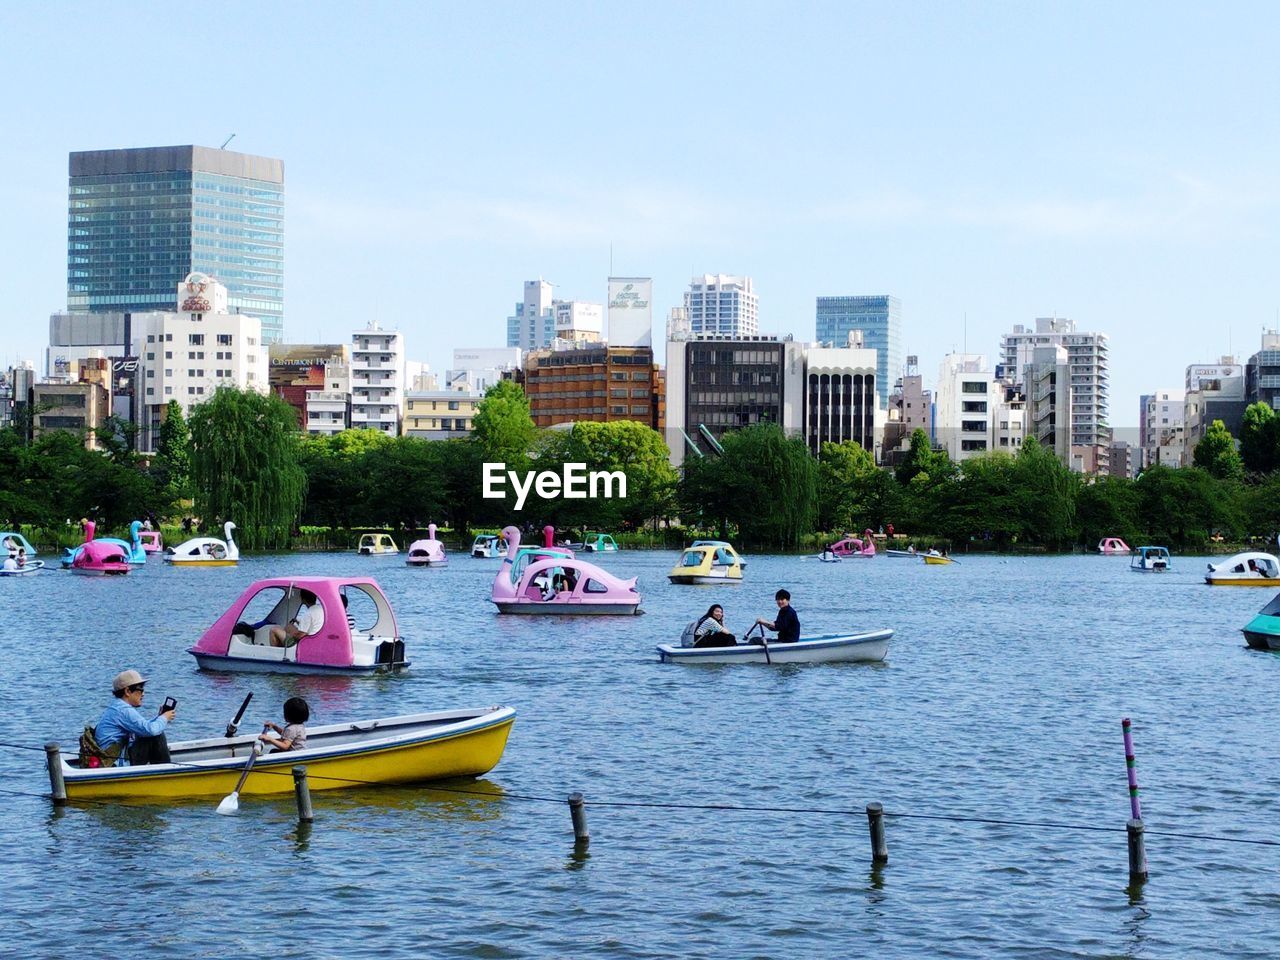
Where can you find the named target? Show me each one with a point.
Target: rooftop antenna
(226, 141)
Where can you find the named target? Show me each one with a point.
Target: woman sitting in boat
(711, 631)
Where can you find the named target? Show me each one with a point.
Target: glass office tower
(880, 320)
(140, 220)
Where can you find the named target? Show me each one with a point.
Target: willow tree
(244, 465)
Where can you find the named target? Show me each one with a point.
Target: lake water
(1001, 698)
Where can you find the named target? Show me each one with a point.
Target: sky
(987, 163)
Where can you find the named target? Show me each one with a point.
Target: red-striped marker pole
(1135, 805)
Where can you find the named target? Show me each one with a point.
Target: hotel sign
(630, 311)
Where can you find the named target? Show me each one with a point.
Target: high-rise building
(966, 389)
(1088, 357)
(1049, 398)
(1214, 391)
(185, 354)
(593, 382)
(841, 402)
(378, 379)
(1160, 431)
(880, 320)
(140, 220)
(1262, 378)
(539, 319)
(719, 305)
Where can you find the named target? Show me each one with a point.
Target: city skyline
(998, 186)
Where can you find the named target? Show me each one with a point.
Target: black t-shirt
(788, 625)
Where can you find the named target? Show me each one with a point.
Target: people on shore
(307, 621)
(711, 631)
(293, 735)
(122, 729)
(787, 622)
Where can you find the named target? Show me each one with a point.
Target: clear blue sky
(1113, 163)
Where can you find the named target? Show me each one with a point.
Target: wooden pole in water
(577, 809)
(1135, 805)
(53, 755)
(1137, 852)
(875, 820)
(302, 792)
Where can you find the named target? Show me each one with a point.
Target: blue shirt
(123, 722)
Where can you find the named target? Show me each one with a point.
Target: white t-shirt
(310, 619)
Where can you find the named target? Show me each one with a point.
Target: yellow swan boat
(407, 749)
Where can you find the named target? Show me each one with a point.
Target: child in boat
(293, 735)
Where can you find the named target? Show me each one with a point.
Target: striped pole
(1135, 805)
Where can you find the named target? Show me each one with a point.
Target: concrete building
(1008, 417)
(476, 369)
(139, 220)
(1124, 460)
(18, 395)
(631, 312)
(297, 369)
(879, 319)
(328, 408)
(1214, 391)
(578, 321)
(594, 383)
(378, 379)
(964, 405)
(540, 319)
(721, 305)
(440, 414)
(1048, 383)
(1088, 356)
(1161, 429)
(841, 401)
(1262, 374)
(81, 405)
(187, 354)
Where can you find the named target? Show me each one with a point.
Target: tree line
(242, 457)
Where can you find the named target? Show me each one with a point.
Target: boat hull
(938, 561)
(201, 563)
(901, 553)
(869, 647)
(700, 579)
(469, 747)
(95, 572)
(567, 609)
(34, 566)
(1242, 582)
(221, 664)
(415, 562)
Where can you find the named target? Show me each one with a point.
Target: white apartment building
(579, 320)
(720, 305)
(1008, 418)
(1088, 357)
(841, 402)
(188, 354)
(377, 379)
(1163, 420)
(966, 390)
(329, 409)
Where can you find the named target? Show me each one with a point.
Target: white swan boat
(206, 551)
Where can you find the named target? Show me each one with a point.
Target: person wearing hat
(123, 721)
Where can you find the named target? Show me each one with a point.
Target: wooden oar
(230, 804)
(234, 724)
(764, 642)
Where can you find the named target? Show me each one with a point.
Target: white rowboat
(870, 647)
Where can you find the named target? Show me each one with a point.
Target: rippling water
(1001, 699)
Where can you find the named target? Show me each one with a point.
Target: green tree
(503, 425)
(172, 465)
(1216, 453)
(1107, 507)
(923, 459)
(847, 486)
(1046, 495)
(244, 465)
(1260, 438)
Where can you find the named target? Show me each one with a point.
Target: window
(190, 372)
(168, 391)
(151, 338)
(168, 372)
(168, 354)
(970, 387)
(150, 373)
(252, 341)
(168, 337)
(151, 356)
(224, 339)
(195, 339)
(191, 391)
(151, 391)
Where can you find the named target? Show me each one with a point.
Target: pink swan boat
(1113, 546)
(366, 640)
(100, 558)
(547, 580)
(428, 552)
(854, 547)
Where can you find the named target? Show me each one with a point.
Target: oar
(234, 724)
(230, 804)
(764, 642)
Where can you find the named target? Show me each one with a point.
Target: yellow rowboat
(408, 749)
(937, 560)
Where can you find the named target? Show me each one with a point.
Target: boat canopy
(1249, 564)
(1272, 609)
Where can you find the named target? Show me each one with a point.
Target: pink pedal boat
(428, 552)
(100, 558)
(543, 581)
(854, 547)
(357, 639)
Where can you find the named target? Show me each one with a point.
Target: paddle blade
(230, 805)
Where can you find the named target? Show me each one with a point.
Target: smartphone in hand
(169, 704)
